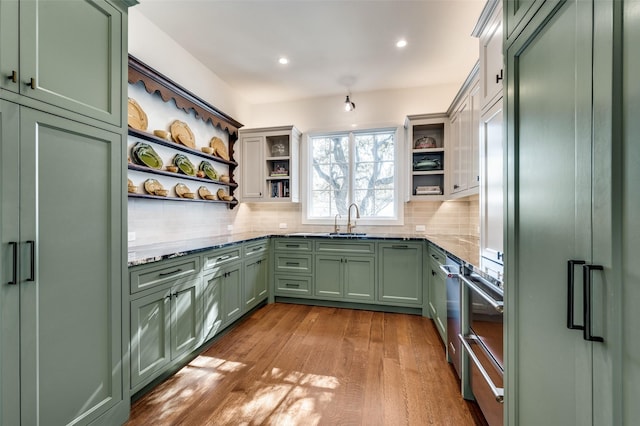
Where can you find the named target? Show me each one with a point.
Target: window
(353, 167)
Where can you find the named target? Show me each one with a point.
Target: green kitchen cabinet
(400, 273)
(343, 277)
(165, 325)
(63, 268)
(211, 305)
(67, 54)
(232, 292)
(569, 229)
(438, 300)
(256, 274)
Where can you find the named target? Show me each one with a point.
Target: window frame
(306, 171)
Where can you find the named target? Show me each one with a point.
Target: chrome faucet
(336, 227)
(350, 226)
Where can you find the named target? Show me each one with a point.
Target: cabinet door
(253, 174)
(329, 276)
(474, 143)
(255, 281)
(150, 336)
(73, 53)
(491, 62)
(232, 293)
(549, 206)
(461, 134)
(212, 305)
(359, 278)
(629, 291)
(401, 273)
(492, 189)
(9, 292)
(73, 269)
(186, 318)
(440, 303)
(9, 50)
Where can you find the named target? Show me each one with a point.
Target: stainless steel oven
(483, 342)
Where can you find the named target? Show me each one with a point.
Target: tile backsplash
(155, 222)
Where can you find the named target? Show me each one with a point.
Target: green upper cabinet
(400, 273)
(518, 13)
(65, 53)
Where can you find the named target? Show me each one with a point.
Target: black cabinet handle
(500, 255)
(165, 274)
(293, 263)
(499, 76)
(32, 275)
(398, 246)
(293, 245)
(14, 262)
(587, 302)
(31, 83)
(13, 76)
(292, 285)
(570, 294)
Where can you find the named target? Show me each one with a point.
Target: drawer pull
(293, 245)
(498, 393)
(398, 246)
(435, 257)
(221, 258)
(165, 274)
(293, 263)
(292, 285)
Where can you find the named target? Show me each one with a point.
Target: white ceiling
(334, 46)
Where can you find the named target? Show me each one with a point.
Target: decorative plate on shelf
(145, 155)
(218, 148)
(152, 186)
(181, 133)
(208, 170)
(184, 165)
(182, 189)
(136, 117)
(205, 194)
(425, 142)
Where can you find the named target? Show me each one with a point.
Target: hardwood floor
(304, 365)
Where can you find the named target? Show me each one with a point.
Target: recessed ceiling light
(401, 43)
(283, 60)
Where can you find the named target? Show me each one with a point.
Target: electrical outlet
(131, 236)
(420, 228)
(283, 225)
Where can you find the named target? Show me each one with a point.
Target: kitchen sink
(347, 234)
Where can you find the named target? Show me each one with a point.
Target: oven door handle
(498, 393)
(498, 306)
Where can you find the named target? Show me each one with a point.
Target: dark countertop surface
(464, 248)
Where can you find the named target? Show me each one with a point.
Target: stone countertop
(463, 247)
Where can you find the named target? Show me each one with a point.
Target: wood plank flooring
(304, 365)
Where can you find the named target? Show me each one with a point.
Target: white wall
(372, 108)
(155, 48)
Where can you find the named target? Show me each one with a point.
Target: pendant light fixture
(348, 105)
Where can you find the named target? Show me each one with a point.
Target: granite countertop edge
(462, 248)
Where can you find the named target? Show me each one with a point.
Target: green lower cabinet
(292, 285)
(438, 299)
(256, 270)
(350, 278)
(211, 306)
(400, 273)
(231, 286)
(165, 325)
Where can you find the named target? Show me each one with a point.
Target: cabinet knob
(13, 76)
(31, 83)
(456, 186)
(499, 76)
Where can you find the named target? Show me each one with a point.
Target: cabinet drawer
(221, 257)
(290, 285)
(162, 273)
(293, 263)
(256, 247)
(346, 246)
(437, 255)
(293, 244)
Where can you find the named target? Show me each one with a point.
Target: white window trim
(306, 169)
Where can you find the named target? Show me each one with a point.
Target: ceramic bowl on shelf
(161, 192)
(172, 169)
(207, 150)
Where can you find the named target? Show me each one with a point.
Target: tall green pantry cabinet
(571, 316)
(63, 359)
